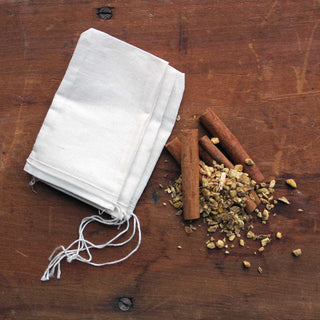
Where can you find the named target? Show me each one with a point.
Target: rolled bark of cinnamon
(214, 152)
(190, 174)
(230, 143)
(205, 157)
(174, 147)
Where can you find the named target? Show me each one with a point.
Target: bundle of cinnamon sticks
(191, 149)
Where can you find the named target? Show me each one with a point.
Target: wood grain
(257, 64)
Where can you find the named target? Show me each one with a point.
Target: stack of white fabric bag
(103, 134)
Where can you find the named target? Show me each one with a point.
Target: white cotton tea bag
(101, 137)
(97, 119)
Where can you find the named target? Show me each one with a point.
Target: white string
(84, 245)
(32, 182)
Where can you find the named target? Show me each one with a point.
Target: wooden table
(257, 64)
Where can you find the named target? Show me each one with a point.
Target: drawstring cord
(84, 245)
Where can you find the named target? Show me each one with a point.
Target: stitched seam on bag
(65, 173)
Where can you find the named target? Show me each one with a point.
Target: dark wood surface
(257, 64)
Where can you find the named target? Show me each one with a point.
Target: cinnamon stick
(205, 157)
(190, 174)
(174, 147)
(214, 152)
(230, 143)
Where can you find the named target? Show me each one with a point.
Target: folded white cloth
(104, 132)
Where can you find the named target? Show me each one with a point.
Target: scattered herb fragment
(291, 183)
(215, 140)
(249, 162)
(220, 244)
(284, 200)
(297, 252)
(265, 241)
(211, 245)
(272, 183)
